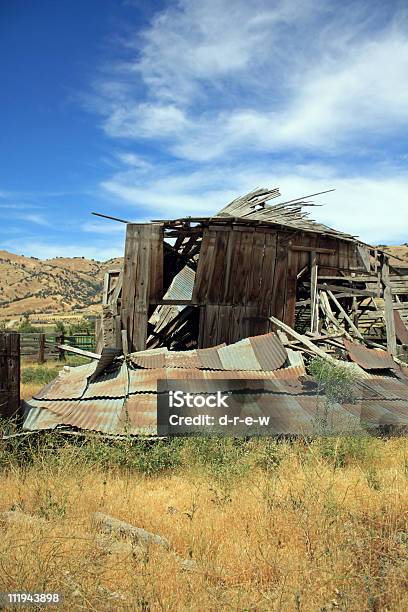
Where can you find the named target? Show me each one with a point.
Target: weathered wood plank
(388, 305)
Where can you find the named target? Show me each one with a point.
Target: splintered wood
(199, 282)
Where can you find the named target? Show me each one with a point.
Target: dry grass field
(270, 525)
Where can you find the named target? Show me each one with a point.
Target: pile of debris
(253, 292)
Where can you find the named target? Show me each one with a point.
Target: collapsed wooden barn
(197, 282)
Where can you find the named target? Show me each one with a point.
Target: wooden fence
(42, 347)
(9, 374)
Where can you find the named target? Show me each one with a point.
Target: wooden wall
(142, 282)
(246, 274)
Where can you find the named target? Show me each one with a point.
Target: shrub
(335, 380)
(38, 374)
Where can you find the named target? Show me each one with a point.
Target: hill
(398, 251)
(72, 284)
(59, 285)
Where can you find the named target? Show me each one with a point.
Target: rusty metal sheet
(369, 359)
(152, 358)
(39, 418)
(107, 357)
(384, 413)
(384, 388)
(139, 415)
(62, 408)
(239, 356)
(182, 359)
(145, 381)
(209, 358)
(96, 414)
(290, 372)
(70, 384)
(269, 351)
(111, 383)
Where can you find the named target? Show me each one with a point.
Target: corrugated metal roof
(182, 359)
(239, 356)
(74, 379)
(139, 415)
(369, 359)
(123, 399)
(269, 351)
(264, 352)
(39, 418)
(153, 358)
(111, 383)
(209, 357)
(107, 357)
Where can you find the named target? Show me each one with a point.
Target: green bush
(346, 450)
(336, 381)
(39, 374)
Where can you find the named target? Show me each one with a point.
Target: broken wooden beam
(345, 315)
(78, 351)
(308, 249)
(389, 309)
(302, 339)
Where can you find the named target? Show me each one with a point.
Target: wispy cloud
(49, 250)
(210, 79)
(372, 207)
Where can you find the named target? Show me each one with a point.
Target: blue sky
(157, 109)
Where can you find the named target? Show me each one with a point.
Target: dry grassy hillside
(67, 284)
(62, 284)
(400, 251)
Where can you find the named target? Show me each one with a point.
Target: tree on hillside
(27, 327)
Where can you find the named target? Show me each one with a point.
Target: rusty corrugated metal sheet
(107, 357)
(71, 380)
(269, 351)
(290, 372)
(153, 358)
(251, 354)
(239, 356)
(112, 383)
(139, 415)
(209, 358)
(39, 418)
(96, 415)
(369, 359)
(182, 359)
(384, 388)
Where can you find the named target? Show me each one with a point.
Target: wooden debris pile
(198, 282)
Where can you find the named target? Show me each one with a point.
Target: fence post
(41, 348)
(9, 375)
(60, 340)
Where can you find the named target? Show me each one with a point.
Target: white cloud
(211, 77)
(31, 218)
(48, 250)
(374, 208)
(224, 91)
